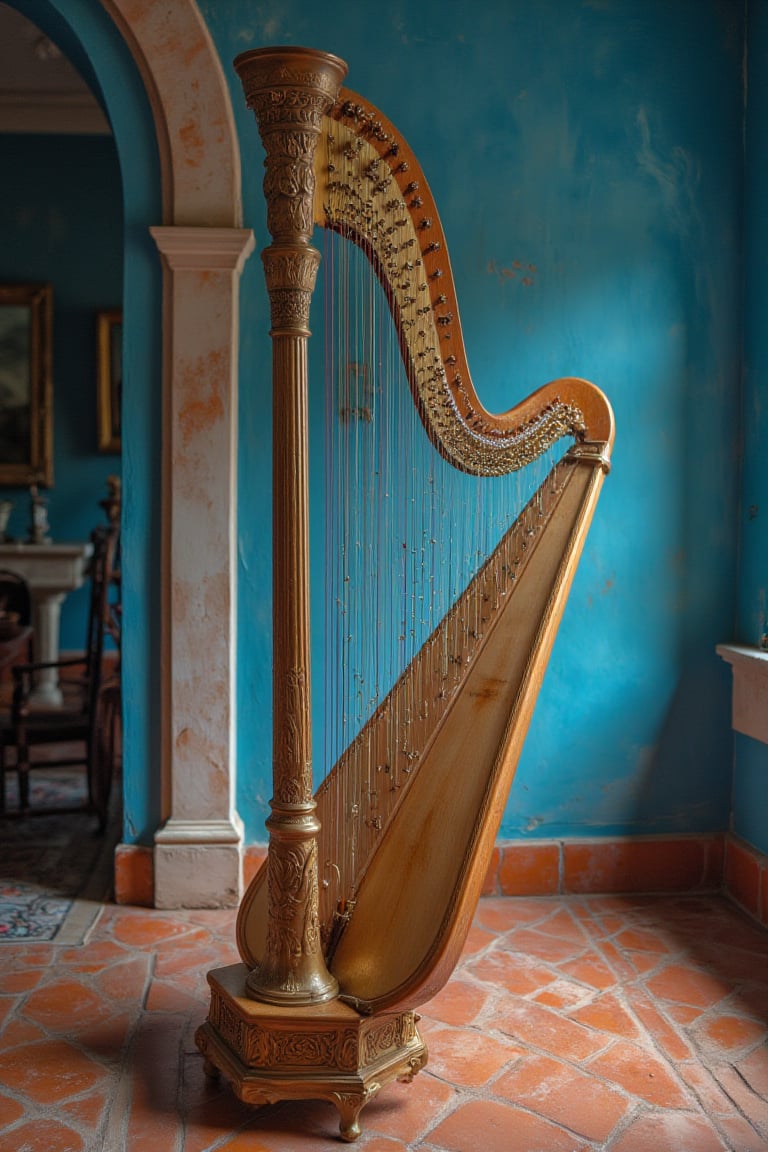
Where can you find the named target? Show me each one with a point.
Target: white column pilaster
(198, 848)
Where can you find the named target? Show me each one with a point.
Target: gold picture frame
(26, 386)
(109, 379)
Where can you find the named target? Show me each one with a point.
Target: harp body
(346, 930)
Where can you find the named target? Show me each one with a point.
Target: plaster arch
(198, 848)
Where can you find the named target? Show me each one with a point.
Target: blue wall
(601, 144)
(750, 778)
(61, 222)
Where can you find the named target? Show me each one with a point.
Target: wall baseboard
(624, 864)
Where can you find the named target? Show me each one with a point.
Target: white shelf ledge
(750, 688)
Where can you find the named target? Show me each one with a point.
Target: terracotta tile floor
(580, 1023)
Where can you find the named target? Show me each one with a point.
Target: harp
(362, 908)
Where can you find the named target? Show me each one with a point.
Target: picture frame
(26, 385)
(109, 379)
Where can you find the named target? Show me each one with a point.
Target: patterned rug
(55, 866)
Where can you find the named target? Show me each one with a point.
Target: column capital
(203, 249)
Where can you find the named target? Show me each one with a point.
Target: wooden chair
(87, 709)
(15, 595)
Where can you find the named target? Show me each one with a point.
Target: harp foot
(325, 1051)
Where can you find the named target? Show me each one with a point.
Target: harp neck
(370, 187)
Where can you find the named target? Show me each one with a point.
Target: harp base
(325, 1051)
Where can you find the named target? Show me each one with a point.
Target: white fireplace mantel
(750, 688)
(51, 570)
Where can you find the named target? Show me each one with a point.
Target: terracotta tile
(529, 869)
(641, 1073)
(498, 1127)
(714, 864)
(762, 912)
(562, 1093)
(709, 1093)
(478, 939)
(147, 929)
(740, 1134)
(165, 996)
(682, 1013)
(459, 1003)
(502, 914)
(26, 955)
(49, 1071)
(152, 1124)
(644, 962)
(7, 1006)
(491, 882)
(620, 965)
(653, 865)
(305, 1125)
(43, 1134)
(514, 973)
(408, 1111)
(209, 1106)
(754, 1069)
(20, 1031)
(125, 981)
(535, 942)
(589, 969)
(544, 1029)
(87, 1110)
(384, 1144)
(93, 958)
(10, 1109)
(668, 1039)
(571, 952)
(749, 1103)
(66, 1006)
(641, 940)
(134, 875)
(174, 962)
(742, 875)
(13, 983)
(108, 1039)
(562, 994)
(673, 1131)
(563, 924)
(684, 985)
(468, 1057)
(727, 1034)
(607, 1014)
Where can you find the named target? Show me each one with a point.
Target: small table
(51, 570)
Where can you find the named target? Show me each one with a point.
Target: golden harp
(362, 908)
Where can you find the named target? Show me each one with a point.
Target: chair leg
(22, 773)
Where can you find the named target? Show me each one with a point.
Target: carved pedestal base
(324, 1052)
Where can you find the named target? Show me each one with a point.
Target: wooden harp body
(362, 908)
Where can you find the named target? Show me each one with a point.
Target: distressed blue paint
(87, 34)
(600, 143)
(750, 778)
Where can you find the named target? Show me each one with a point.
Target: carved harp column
(289, 90)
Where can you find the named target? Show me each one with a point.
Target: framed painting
(26, 389)
(109, 380)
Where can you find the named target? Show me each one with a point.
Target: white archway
(198, 848)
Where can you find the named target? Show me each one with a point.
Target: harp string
(405, 533)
